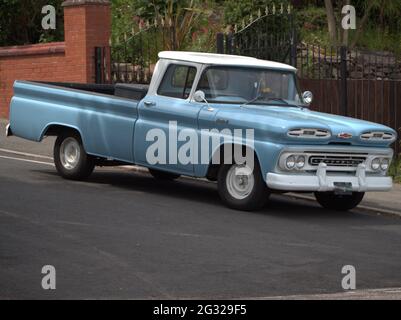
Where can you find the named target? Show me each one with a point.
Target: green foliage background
(236, 11)
(20, 20)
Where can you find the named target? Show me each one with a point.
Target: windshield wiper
(253, 100)
(286, 102)
(278, 99)
(272, 99)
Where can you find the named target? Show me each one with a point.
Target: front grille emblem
(344, 135)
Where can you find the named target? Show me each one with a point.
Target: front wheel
(330, 200)
(241, 188)
(70, 158)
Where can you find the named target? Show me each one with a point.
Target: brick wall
(87, 25)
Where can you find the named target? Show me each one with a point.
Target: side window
(177, 81)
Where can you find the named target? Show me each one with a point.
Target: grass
(376, 39)
(313, 30)
(372, 39)
(395, 170)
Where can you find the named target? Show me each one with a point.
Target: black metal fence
(320, 62)
(134, 55)
(270, 36)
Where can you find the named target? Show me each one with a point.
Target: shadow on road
(182, 188)
(200, 192)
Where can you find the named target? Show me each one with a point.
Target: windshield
(249, 85)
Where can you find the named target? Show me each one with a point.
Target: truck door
(169, 111)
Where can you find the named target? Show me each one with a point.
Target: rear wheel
(162, 175)
(330, 200)
(70, 158)
(241, 188)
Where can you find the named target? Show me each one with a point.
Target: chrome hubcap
(69, 153)
(240, 181)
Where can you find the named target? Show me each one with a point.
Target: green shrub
(395, 170)
(235, 11)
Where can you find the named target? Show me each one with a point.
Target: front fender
(267, 153)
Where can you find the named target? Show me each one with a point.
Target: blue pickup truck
(171, 126)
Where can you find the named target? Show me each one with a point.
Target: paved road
(124, 235)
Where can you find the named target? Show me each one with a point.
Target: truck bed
(104, 115)
(123, 90)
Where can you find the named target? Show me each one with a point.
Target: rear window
(177, 81)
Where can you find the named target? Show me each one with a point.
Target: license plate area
(342, 187)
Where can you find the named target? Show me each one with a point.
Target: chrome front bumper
(326, 182)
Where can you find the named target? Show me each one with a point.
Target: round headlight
(300, 162)
(375, 164)
(290, 162)
(384, 164)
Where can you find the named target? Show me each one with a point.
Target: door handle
(149, 104)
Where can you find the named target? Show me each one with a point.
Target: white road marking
(382, 293)
(25, 154)
(26, 160)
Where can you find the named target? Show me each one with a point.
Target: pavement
(124, 235)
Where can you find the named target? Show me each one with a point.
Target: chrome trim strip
(309, 133)
(378, 136)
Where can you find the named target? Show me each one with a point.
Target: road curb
(370, 209)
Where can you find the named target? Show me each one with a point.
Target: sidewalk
(385, 200)
(376, 202)
(386, 203)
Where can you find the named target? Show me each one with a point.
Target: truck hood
(277, 121)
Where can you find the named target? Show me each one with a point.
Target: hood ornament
(344, 135)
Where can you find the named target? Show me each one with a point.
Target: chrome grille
(309, 133)
(377, 136)
(336, 160)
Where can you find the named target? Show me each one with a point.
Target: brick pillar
(87, 25)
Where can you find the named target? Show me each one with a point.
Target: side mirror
(307, 96)
(199, 96)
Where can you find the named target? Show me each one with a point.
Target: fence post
(220, 43)
(294, 42)
(98, 65)
(293, 53)
(343, 83)
(229, 43)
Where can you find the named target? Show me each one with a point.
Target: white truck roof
(223, 59)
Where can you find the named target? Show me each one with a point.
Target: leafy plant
(21, 22)
(235, 11)
(178, 20)
(395, 170)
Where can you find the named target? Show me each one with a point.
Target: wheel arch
(55, 129)
(212, 170)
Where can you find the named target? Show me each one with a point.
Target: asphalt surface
(123, 234)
